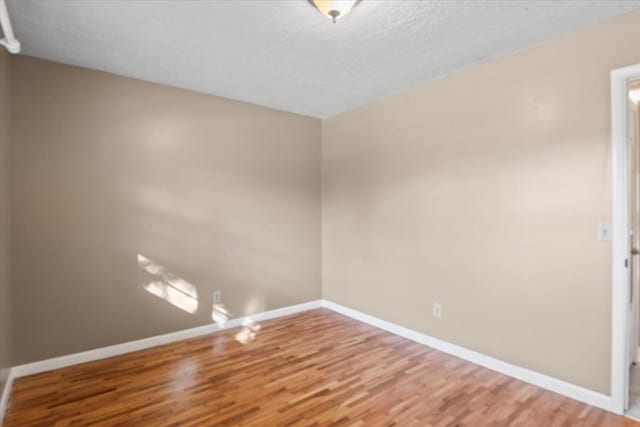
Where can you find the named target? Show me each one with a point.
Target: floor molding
(128, 347)
(540, 380)
(6, 391)
(631, 417)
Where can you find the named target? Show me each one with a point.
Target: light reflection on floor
(248, 332)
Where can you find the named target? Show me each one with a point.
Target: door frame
(620, 237)
(634, 321)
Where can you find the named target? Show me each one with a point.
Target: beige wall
(5, 288)
(222, 194)
(481, 191)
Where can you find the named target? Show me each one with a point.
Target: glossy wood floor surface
(316, 368)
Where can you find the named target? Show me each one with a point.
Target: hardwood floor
(316, 368)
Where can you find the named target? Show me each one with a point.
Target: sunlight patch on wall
(171, 288)
(219, 314)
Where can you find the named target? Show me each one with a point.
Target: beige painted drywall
(481, 191)
(5, 288)
(221, 194)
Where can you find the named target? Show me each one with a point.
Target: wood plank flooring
(316, 368)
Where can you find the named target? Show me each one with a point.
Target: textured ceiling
(283, 53)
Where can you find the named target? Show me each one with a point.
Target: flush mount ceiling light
(334, 9)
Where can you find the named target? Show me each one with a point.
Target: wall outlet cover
(437, 310)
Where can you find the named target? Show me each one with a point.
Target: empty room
(420, 213)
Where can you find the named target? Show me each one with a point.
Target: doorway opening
(625, 196)
(633, 125)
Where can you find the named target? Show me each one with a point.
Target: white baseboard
(128, 347)
(540, 380)
(632, 417)
(549, 383)
(4, 398)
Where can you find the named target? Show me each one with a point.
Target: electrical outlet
(437, 310)
(217, 297)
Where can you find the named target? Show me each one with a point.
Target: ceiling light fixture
(334, 9)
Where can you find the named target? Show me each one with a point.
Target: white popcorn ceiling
(283, 53)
